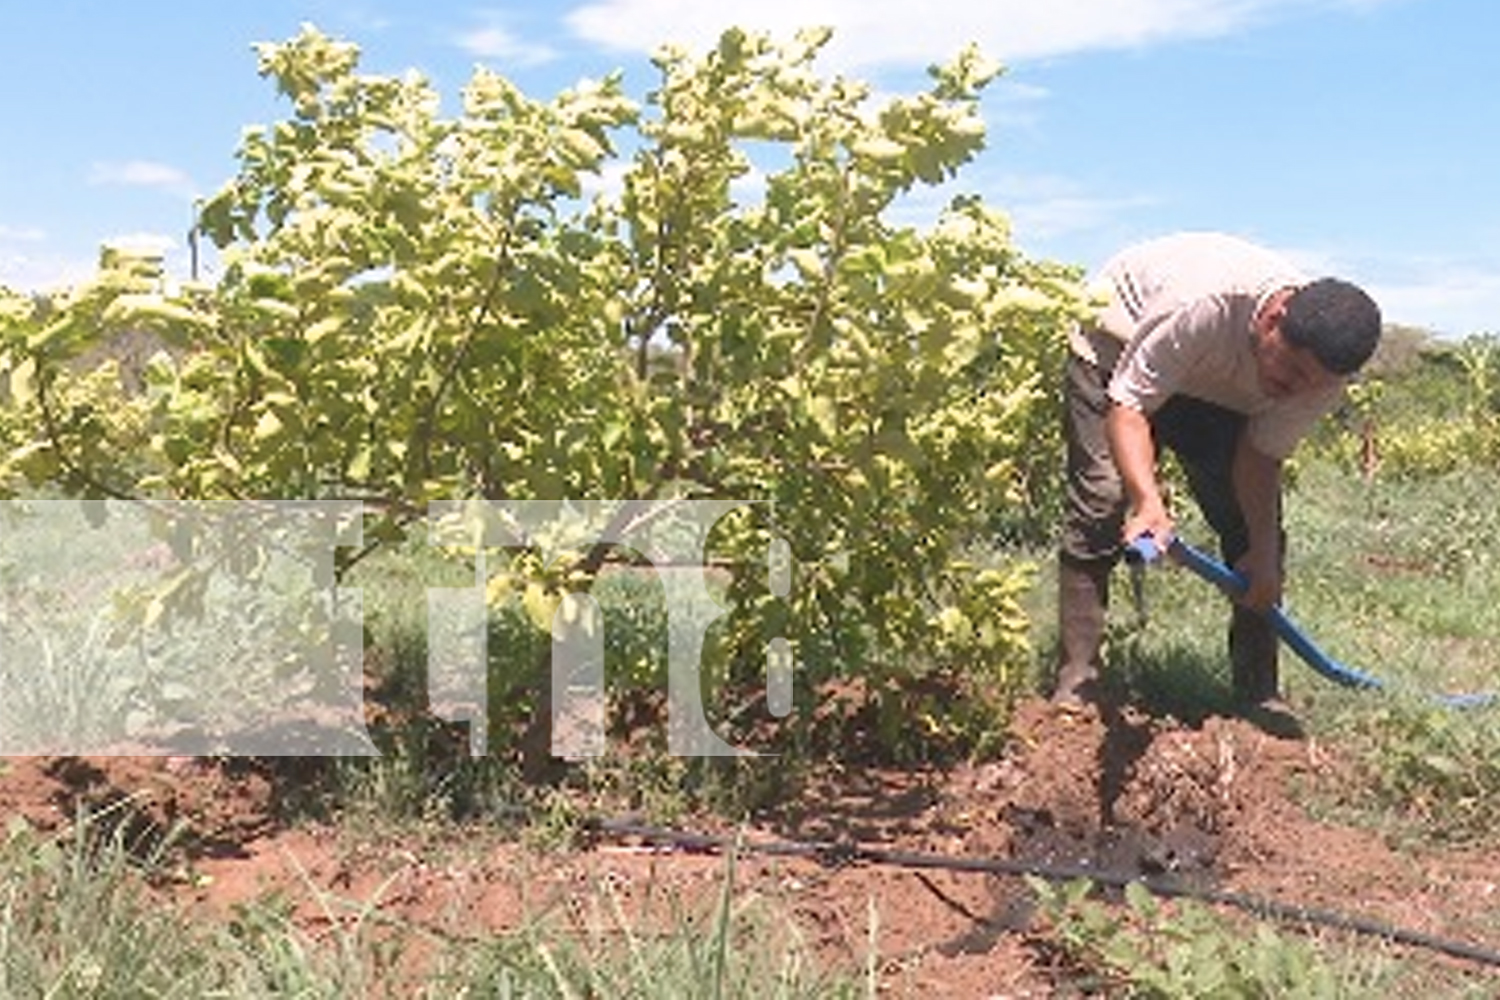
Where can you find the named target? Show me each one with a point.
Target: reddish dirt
(1129, 794)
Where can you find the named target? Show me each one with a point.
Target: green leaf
(268, 425)
(23, 382)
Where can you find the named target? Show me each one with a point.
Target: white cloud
(143, 173)
(1462, 300)
(893, 32)
(1318, 262)
(1013, 105)
(1047, 207)
(29, 234)
(142, 242)
(493, 40)
(609, 183)
(1450, 295)
(1063, 215)
(1023, 93)
(26, 272)
(38, 269)
(360, 16)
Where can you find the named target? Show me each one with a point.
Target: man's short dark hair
(1335, 320)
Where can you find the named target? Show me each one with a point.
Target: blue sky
(1360, 137)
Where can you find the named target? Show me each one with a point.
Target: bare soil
(1220, 804)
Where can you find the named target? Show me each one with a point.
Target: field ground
(1383, 813)
(1219, 804)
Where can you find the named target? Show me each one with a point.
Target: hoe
(1145, 550)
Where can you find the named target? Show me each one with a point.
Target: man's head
(1315, 334)
(1334, 320)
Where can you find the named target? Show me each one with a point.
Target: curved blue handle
(1146, 549)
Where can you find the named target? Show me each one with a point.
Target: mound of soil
(1120, 794)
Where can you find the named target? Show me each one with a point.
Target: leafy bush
(416, 309)
(1436, 411)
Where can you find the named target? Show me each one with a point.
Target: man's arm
(1135, 456)
(1257, 486)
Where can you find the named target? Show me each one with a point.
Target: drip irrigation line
(837, 854)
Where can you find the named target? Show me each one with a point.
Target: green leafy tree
(587, 297)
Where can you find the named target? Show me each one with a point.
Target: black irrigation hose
(835, 854)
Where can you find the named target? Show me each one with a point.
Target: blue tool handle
(1146, 549)
(1143, 550)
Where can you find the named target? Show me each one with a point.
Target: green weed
(1146, 947)
(79, 918)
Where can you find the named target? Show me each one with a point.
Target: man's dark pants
(1203, 436)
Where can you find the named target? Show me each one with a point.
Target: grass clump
(1148, 947)
(92, 914)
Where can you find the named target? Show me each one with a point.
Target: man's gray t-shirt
(1178, 320)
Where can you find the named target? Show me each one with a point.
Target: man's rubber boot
(1082, 607)
(1256, 675)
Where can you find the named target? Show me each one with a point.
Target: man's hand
(1150, 518)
